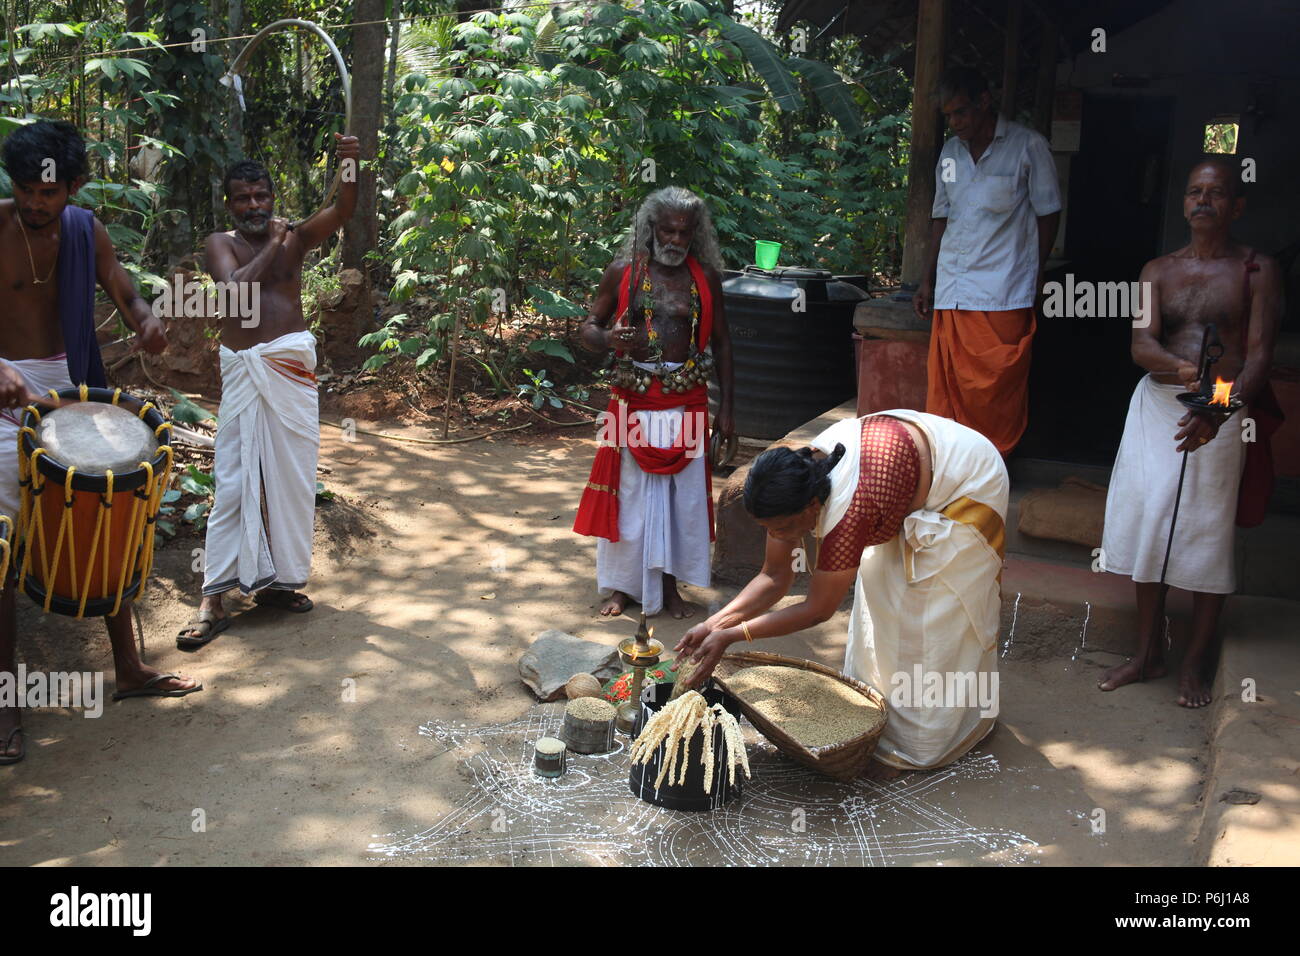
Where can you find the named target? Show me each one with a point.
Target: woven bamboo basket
(843, 761)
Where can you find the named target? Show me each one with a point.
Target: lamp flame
(1222, 392)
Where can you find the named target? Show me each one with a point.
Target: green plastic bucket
(765, 253)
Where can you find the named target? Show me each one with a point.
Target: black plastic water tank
(790, 366)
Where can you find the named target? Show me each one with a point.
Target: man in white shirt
(996, 209)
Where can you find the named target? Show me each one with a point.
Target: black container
(689, 795)
(789, 366)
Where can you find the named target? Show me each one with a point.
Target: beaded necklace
(647, 310)
(693, 372)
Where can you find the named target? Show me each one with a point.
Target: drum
(92, 474)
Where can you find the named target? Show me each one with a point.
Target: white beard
(254, 228)
(670, 257)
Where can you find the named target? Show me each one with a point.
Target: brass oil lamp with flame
(638, 653)
(1212, 396)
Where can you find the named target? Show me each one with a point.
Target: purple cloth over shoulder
(77, 296)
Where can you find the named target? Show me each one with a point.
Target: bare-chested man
(659, 307)
(259, 534)
(1213, 279)
(51, 255)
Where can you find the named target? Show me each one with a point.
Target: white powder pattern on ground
(590, 817)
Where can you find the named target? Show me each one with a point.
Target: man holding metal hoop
(260, 532)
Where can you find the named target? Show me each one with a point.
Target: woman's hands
(705, 643)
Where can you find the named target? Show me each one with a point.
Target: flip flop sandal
(6, 759)
(215, 625)
(149, 690)
(276, 597)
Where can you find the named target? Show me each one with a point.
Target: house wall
(1206, 53)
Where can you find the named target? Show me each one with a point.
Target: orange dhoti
(978, 371)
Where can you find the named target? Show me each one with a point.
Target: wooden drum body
(92, 475)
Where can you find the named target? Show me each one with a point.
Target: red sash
(598, 509)
(1257, 475)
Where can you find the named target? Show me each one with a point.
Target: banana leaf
(766, 60)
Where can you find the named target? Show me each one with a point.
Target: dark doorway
(1082, 375)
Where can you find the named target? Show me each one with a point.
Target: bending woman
(910, 507)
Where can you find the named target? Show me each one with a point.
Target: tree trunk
(361, 233)
(390, 85)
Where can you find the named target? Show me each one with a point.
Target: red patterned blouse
(888, 472)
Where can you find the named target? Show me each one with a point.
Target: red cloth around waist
(598, 509)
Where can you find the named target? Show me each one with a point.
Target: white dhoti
(663, 522)
(41, 375)
(1144, 484)
(268, 438)
(926, 609)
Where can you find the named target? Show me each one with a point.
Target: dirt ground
(435, 568)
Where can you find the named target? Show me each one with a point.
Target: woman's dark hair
(247, 171)
(782, 481)
(28, 149)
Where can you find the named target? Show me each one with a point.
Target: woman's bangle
(744, 627)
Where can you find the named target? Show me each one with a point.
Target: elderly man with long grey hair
(648, 501)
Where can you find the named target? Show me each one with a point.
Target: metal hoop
(233, 73)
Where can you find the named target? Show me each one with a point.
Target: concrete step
(1254, 740)
(1053, 612)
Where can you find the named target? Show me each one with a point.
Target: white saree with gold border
(927, 602)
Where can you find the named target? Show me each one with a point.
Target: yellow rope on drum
(117, 393)
(155, 502)
(72, 531)
(5, 537)
(132, 535)
(58, 542)
(25, 500)
(82, 388)
(105, 502)
(32, 513)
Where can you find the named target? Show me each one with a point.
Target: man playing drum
(259, 535)
(51, 255)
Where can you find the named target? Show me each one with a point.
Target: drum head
(94, 437)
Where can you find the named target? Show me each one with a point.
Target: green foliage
(204, 486)
(539, 390)
(188, 413)
(192, 482)
(320, 283)
(551, 347)
(530, 141)
(83, 71)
